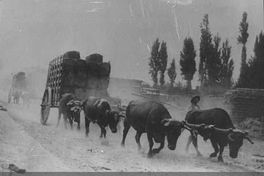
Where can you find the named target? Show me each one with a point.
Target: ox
(98, 110)
(154, 119)
(220, 131)
(70, 108)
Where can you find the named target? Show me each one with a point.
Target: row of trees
(242, 39)
(158, 62)
(215, 67)
(251, 71)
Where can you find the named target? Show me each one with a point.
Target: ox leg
(157, 150)
(103, 132)
(195, 144)
(78, 120)
(87, 124)
(71, 121)
(70, 118)
(65, 118)
(137, 137)
(216, 149)
(59, 117)
(125, 131)
(119, 127)
(220, 157)
(151, 143)
(188, 143)
(78, 127)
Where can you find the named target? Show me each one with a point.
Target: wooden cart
(69, 73)
(17, 87)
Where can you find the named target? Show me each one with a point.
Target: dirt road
(25, 142)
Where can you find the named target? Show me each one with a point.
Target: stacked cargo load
(98, 72)
(69, 73)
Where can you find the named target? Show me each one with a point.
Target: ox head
(113, 119)
(75, 106)
(235, 139)
(204, 130)
(173, 130)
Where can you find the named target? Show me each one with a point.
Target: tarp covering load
(246, 103)
(72, 55)
(94, 58)
(70, 73)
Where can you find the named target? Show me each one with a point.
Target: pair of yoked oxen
(154, 119)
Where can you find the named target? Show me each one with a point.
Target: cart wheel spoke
(45, 108)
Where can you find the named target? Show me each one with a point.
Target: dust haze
(35, 31)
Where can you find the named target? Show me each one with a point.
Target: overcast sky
(35, 31)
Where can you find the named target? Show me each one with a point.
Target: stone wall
(246, 103)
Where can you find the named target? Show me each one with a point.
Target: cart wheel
(9, 96)
(45, 108)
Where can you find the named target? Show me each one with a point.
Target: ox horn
(247, 137)
(70, 103)
(230, 137)
(184, 126)
(239, 131)
(122, 115)
(223, 130)
(77, 102)
(245, 133)
(249, 140)
(194, 125)
(194, 131)
(166, 122)
(211, 126)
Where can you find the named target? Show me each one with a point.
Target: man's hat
(195, 99)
